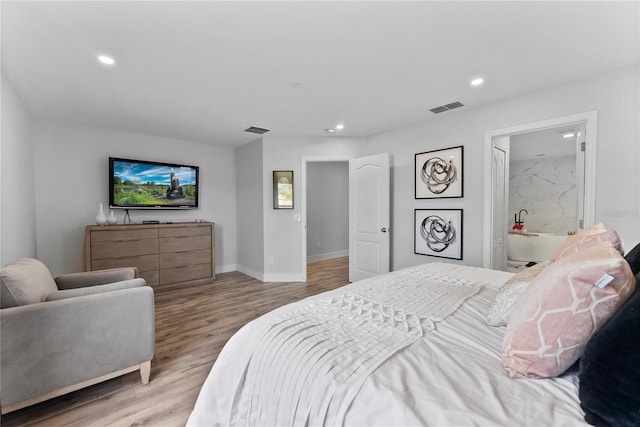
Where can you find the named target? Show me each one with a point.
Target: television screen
(141, 184)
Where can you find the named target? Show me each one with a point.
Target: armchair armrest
(96, 277)
(52, 345)
(97, 289)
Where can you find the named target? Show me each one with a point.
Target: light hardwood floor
(192, 325)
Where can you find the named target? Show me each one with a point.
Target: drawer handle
(129, 257)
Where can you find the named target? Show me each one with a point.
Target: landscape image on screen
(141, 184)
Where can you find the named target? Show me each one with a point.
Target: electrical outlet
(318, 245)
(270, 259)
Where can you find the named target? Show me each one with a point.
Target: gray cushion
(25, 281)
(95, 277)
(98, 289)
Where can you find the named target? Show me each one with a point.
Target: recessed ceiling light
(330, 130)
(106, 60)
(340, 127)
(477, 81)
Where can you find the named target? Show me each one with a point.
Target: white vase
(112, 218)
(101, 218)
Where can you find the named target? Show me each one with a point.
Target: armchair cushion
(97, 289)
(96, 277)
(25, 281)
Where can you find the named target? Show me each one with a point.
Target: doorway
(367, 212)
(325, 209)
(520, 142)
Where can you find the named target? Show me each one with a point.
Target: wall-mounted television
(142, 184)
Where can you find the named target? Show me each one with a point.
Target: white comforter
(439, 367)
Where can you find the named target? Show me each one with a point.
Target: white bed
(420, 353)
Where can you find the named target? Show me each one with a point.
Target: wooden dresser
(163, 253)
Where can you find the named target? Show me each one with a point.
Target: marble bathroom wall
(546, 188)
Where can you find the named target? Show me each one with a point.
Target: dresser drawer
(184, 274)
(123, 248)
(185, 258)
(141, 262)
(123, 235)
(194, 230)
(184, 243)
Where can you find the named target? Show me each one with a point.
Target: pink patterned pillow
(564, 306)
(589, 237)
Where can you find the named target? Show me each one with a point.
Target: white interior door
(581, 142)
(500, 172)
(369, 216)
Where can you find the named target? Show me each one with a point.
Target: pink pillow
(562, 308)
(589, 237)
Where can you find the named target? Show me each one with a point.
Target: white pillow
(25, 281)
(500, 308)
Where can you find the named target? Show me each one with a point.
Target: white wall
(546, 189)
(282, 233)
(71, 177)
(71, 180)
(614, 95)
(327, 210)
(17, 211)
(250, 221)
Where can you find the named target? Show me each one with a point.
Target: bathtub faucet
(518, 218)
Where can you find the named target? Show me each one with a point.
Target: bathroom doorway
(551, 167)
(543, 203)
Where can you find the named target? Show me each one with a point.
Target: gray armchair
(72, 331)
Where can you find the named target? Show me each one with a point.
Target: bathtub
(533, 246)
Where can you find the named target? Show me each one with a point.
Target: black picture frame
(283, 190)
(439, 173)
(438, 233)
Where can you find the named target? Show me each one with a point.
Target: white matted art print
(438, 173)
(438, 232)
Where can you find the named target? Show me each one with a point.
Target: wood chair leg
(145, 371)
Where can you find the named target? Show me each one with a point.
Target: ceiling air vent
(255, 129)
(446, 107)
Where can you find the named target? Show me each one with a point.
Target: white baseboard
(283, 277)
(250, 272)
(226, 268)
(270, 277)
(328, 255)
(279, 277)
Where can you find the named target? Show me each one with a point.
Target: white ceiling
(204, 71)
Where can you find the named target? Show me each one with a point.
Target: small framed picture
(438, 232)
(439, 173)
(282, 189)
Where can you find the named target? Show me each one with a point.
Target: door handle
(384, 229)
